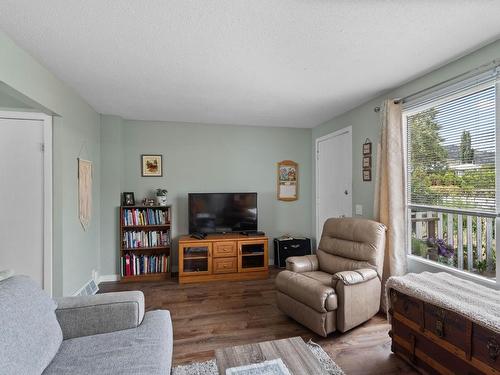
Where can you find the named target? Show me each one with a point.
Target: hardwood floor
(220, 314)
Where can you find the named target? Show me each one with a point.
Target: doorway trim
(346, 130)
(47, 188)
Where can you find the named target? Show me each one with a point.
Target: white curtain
(390, 194)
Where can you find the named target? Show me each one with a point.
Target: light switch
(359, 209)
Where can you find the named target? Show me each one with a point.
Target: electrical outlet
(359, 209)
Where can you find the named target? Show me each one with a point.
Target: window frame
(413, 108)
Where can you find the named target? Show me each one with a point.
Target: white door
(333, 177)
(22, 195)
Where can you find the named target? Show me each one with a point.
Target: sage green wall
(76, 127)
(203, 158)
(366, 123)
(112, 155)
(7, 101)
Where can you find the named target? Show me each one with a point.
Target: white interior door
(22, 194)
(333, 177)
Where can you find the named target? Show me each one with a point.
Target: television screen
(222, 212)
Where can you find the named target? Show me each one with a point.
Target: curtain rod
(481, 69)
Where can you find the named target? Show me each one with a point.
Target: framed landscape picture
(288, 180)
(151, 165)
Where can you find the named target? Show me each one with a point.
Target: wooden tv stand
(229, 257)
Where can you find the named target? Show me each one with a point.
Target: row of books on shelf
(145, 216)
(138, 239)
(133, 265)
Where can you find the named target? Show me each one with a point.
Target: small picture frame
(367, 148)
(367, 162)
(152, 165)
(128, 199)
(367, 174)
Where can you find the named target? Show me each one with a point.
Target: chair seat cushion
(324, 278)
(146, 350)
(307, 290)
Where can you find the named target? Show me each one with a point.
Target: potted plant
(161, 197)
(439, 248)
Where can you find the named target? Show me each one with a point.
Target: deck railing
(470, 235)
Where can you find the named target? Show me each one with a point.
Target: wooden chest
(440, 341)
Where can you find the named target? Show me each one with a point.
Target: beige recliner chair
(339, 287)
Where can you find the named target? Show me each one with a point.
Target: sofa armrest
(305, 263)
(100, 313)
(355, 277)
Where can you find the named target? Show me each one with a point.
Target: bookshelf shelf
(166, 225)
(145, 243)
(157, 276)
(145, 248)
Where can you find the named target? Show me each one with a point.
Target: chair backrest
(30, 335)
(351, 243)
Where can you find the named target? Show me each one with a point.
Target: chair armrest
(101, 313)
(306, 290)
(305, 263)
(355, 277)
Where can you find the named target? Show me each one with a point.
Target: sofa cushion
(145, 350)
(30, 334)
(306, 290)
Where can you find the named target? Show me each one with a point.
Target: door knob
(346, 192)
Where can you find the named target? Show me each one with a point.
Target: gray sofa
(102, 334)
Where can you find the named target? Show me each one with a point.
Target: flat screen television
(222, 212)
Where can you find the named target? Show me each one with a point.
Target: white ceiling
(267, 62)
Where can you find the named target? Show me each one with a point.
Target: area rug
(210, 367)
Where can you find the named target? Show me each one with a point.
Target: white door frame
(47, 188)
(346, 130)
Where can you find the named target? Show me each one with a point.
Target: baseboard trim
(108, 278)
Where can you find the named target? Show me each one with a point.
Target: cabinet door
(195, 258)
(252, 255)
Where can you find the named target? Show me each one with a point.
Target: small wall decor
(128, 199)
(84, 192)
(367, 147)
(288, 181)
(151, 165)
(367, 160)
(367, 174)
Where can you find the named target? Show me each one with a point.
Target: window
(451, 176)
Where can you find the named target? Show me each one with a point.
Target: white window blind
(451, 146)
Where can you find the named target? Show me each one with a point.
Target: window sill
(418, 262)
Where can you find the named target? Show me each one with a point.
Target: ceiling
(266, 62)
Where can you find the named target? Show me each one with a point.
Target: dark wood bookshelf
(146, 250)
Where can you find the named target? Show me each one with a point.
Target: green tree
(466, 150)
(427, 152)
(428, 157)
